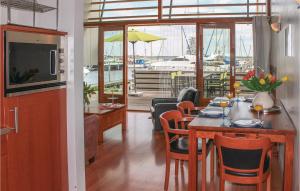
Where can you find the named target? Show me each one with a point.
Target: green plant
(88, 91)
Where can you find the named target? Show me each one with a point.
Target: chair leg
(222, 184)
(259, 187)
(270, 175)
(176, 167)
(167, 175)
(212, 162)
(269, 183)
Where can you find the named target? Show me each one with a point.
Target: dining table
(278, 127)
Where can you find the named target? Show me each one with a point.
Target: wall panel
(289, 93)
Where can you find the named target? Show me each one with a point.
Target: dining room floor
(136, 161)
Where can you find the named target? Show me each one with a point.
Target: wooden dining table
(277, 126)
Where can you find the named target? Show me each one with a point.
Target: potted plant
(263, 84)
(88, 91)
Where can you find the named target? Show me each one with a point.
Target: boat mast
(210, 39)
(187, 42)
(182, 41)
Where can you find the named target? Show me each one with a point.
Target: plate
(212, 111)
(274, 109)
(219, 99)
(247, 122)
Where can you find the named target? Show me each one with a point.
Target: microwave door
(32, 64)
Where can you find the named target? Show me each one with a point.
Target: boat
(86, 70)
(184, 63)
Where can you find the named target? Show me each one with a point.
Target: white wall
(289, 93)
(70, 20)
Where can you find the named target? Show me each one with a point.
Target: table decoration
(263, 84)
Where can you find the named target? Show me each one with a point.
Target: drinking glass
(229, 95)
(258, 108)
(224, 104)
(237, 91)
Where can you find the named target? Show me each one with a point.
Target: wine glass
(224, 104)
(258, 108)
(237, 91)
(229, 95)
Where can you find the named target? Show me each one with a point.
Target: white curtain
(261, 43)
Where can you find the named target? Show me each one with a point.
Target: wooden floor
(136, 162)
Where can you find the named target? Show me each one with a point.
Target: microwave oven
(33, 62)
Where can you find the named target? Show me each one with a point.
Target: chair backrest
(170, 121)
(242, 154)
(186, 107)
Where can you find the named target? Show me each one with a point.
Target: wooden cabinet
(3, 163)
(37, 154)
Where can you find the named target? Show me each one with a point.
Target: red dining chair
(187, 108)
(244, 160)
(176, 138)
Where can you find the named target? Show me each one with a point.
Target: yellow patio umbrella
(133, 37)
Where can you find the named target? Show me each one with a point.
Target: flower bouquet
(263, 84)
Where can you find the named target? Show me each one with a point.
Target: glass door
(216, 61)
(112, 65)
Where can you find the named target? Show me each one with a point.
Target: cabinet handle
(16, 119)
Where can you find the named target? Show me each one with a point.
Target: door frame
(102, 97)
(199, 57)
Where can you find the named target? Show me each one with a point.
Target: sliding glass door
(112, 65)
(216, 60)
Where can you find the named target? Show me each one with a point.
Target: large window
(162, 61)
(216, 60)
(244, 53)
(113, 62)
(90, 70)
(162, 67)
(121, 10)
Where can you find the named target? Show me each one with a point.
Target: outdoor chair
(161, 105)
(216, 85)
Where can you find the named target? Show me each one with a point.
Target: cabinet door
(37, 154)
(3, 163)
(8, 121)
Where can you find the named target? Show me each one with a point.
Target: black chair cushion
(181, 145)
(253, 174)
(243, 159)
(193, 112)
